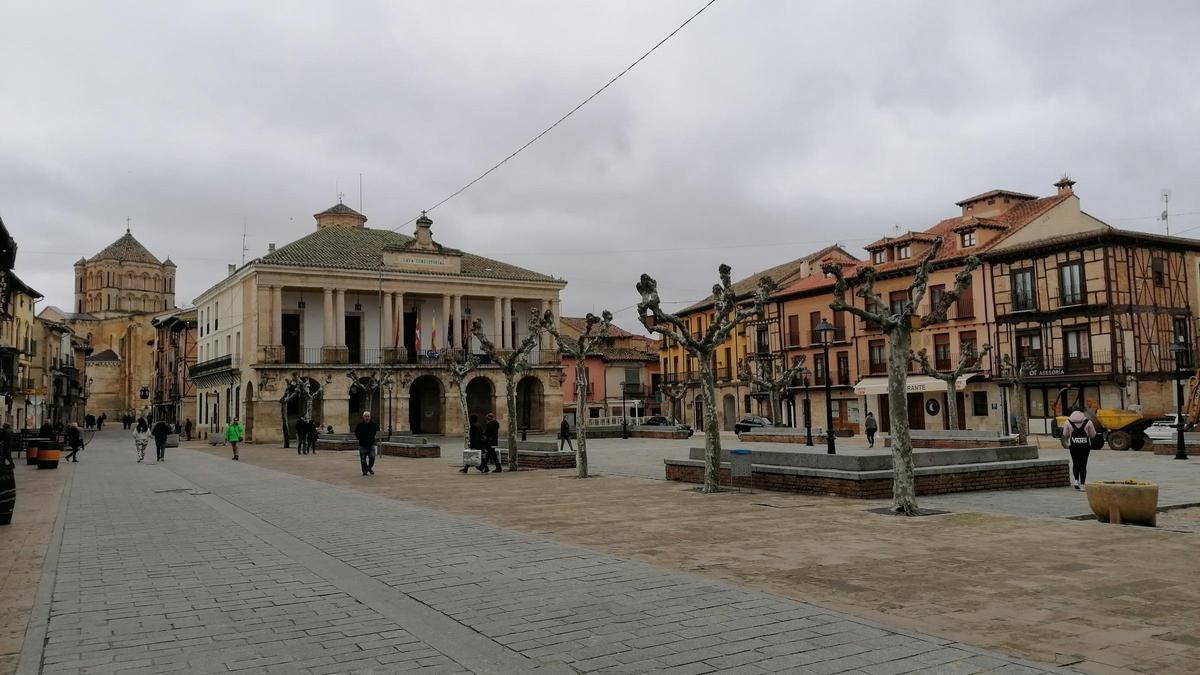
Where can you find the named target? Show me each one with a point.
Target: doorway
(916, 411)
(529, 404)
(291, 338)
(480, 397)
(425, 405)
(730, 405)
(885, 414)
(354, 338)
(410, 336)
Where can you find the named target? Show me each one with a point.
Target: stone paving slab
(203, 565)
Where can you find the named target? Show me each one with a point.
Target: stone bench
(956, 438)
(1191, 445)
(335, 443)
(539, 455)
(663, 432)
(870, 476)
(781, 435)
(422, 450)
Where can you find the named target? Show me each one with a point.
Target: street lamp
(807, 409)
(624, 412)
(1180, 351)
(825, 331)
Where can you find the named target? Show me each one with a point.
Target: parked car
(1163, 428)
(664, 421)
(749, 422)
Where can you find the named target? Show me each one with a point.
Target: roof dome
(126, 249)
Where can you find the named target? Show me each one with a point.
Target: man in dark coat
(74, 442)
(160, 431)
(365, 432)
(491, 438)
(475, 442)
(301, 436)
(314, 432)
(187, 428)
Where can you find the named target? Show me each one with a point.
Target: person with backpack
(871, 426)
(1079, 432)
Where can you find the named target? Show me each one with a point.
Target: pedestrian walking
(89, 421)
(301, 436)
(74, 442)
(564, 435)
(100, 421)
(314, 431)
(141, 439)
(365, 432)
(871, 426)
(474, 442)
(491, 438)
(1079, 432)
(160, 431)
(234, 433)
(187, 428)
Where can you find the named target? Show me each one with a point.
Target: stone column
(456, 311)
(339, 319)
(386, 333)
(399, 341)
(276, 315)
(445, 323)
(506, 337)
(328, 334)
(496, 335)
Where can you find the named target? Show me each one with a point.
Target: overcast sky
(762, 131)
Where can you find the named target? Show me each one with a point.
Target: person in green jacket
(234, 433)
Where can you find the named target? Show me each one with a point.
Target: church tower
(124, 279)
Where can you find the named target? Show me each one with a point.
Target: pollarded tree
(291, 389)
(579, 348)
(675, 391)
(459, 364)
(898, 326)
(512, 365)
(1018, 374)
(727, 315)
(775, 384)
(968, 360)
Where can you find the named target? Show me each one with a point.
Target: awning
(916, 383)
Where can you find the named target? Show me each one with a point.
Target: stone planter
(1117, 503)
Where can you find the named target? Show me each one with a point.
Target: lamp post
(1180, 351)
(807, 410)
(624, 412)
(825, 331)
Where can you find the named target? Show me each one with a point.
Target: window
(1158, 268)
(878, 257)
(904, 251)
(968, 239)
(1070, 284)
(965, 306)
(762, 340)
(793, 322)
(967, 342)
(1022, 291)
(819, 369)
(217, 320)
(814, 318)
(979, 404)
(941, 351)
(935, 295)
(896, 300)
(843, 368)
(633, 376)
(1077, 348)
(1182, 334)
(1029, 345)
(875, 353)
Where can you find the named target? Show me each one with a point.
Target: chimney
(805, 268)
(271, 247)
(232, 269)
(1065, 185)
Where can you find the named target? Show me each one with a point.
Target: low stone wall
(334, 443)
(540, 446)
(793, 437)
(1046, 473)
(411, 450)
(956, 440)
(659, 432)
(537, 459)
(1168, 448)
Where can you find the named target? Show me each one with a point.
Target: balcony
(684, 377)
(724, 373)
(1057, 365)
(215, 365)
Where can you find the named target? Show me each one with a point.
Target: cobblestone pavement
(205, 565)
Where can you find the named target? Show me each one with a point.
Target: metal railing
(213, 365)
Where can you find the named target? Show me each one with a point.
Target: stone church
(118, 292)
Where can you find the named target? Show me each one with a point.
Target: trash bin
(739, 463)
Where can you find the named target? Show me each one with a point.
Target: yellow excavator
(1121, 429)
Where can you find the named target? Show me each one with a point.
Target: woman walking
(1079, 432)
(141, 438)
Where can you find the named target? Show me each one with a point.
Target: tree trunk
(466, 415)
(1022, 419)
(951, 405)
(712, 435)
(581, 383)
(283, 419)
(904, 493)
(776, 412)
(510, 393)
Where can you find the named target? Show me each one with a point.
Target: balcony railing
(317, 356)
(685, 376)
(1052, 365)
(724, 372)
(214, 365)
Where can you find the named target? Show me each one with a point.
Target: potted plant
(1124, 501)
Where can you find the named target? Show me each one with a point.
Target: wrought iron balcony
(214, 365)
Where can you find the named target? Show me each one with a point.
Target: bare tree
(727, 315)
(968, 360)
(579, 348)
(675, 391)
(1018, 374)
(459, 364)
(512, 365)
(774, 384)
(899, 325)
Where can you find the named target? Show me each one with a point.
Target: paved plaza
(200, 564)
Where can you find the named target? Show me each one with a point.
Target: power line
(562, 119)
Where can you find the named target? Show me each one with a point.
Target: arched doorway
(358, 402)
(296, 407)
(425, 405)
(481, 397)
(529, 404)
(729, 403)
(248, 423)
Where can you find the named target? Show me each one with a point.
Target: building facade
(173, 396)
(1096, 306)
(18, 352)
(346, 304)
(623, 376)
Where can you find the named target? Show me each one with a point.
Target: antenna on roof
(1166, 199)
(244, 249)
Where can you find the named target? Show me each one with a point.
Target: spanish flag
(418, 340)
(433, 333)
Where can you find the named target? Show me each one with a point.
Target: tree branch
(648, 289)
(862, 283)
(937, 312)
(916, 291)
